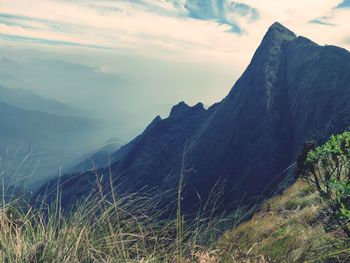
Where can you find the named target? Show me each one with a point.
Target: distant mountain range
(39, 136)
(293, 90)
(29, 100)
(92, 91)
(99, 158)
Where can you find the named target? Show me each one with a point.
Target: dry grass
(104, 228)
(113, 229)
(124, 230)
(288, 228)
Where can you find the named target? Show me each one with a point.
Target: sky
(167, 50)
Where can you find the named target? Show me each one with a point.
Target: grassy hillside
(296, 226)
(310, 221)
(103, 229)
(288, 228)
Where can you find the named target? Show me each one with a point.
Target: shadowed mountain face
(292, 91)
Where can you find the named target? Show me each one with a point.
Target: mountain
(29, 100)
(99, 158)
(39, 143)
(94, 91)
(293, 90)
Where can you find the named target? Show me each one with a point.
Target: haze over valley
(174, 131)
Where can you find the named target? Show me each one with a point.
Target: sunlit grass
(132, 228)
(104, 228)
(288, 228)
(126, 229)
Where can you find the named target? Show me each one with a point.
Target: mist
(124, 92)
(113, 95)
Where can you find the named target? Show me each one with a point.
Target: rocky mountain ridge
(293, 90)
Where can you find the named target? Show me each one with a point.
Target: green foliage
(342, 194)
(328, 168)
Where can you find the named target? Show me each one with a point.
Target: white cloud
(160, 27)
(163, 29)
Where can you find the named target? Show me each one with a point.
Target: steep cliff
(293, 90)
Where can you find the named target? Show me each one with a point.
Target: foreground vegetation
(288, 228)
(127, 229)
(309, 222)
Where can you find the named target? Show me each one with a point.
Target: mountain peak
(248, 139)
(179, 108)
(268, 56)
(278, 25)
(153, 123)
(277, 30)
(182, 108)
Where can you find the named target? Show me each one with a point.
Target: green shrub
(328, 168)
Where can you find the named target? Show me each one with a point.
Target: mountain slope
(99, 158)
(288, 228)
(293, 90)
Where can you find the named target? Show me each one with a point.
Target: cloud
(222, 11)
(344, 4)
(347, 40)
(320, 21)
(172, 50)
(208, 30)
(44, 41)
(31, 22)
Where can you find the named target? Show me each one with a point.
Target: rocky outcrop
(292, 90)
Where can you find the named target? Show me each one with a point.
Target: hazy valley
(262, 175)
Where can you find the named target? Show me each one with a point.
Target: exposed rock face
(292, 90)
